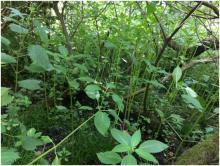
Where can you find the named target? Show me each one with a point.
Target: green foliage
(30, 84)
(177, 73)
(117, 99)
(109, 157)
(129, 160)
(18, 29)
(56, 161)
(7, 59)
(39, 57)
(136, 138)
(62, 68)
(93, 91)
(6, 98)
(128, 144)
(192, 102)
(153, 146)
(30, 143)
(9, 155)
(121, 136)
(102, 122)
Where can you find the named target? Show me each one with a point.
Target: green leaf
(86, 79)
(121, 137)
(39, 56)
(63, 50)
(43, 161)
(5, 58)
(109, 157)
(5, 97)
(177, 73)
(41, 31)
(30, 143)
(15, 12)
(156, 83)
(153, 146)
(191, 92)
(8, 156)
(150, 8)
(73, 84)
(5, 41)
(86, 108)
(60, 107)
(129, 160)
(18, 29)
(35, 68)
(117, 99)
(31, 132)
(145, 155)
(192, 102)
(102, 122)
(121, 148)
(29, 84)
(114, 114)
(136, 138)
(109, 45)
(46, 139)
(93, 91)
(56, 161)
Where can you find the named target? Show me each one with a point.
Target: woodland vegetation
(109, 82)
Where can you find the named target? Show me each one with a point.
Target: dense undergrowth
(107, 82)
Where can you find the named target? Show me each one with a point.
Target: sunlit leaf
(18, 29)
(129, 160)
(109, 157)
(102, 122)
(29, 84)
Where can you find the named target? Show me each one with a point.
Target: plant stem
(62, 141)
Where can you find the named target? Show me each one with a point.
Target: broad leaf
(102, 122)
(191, 92)
(85, 108)
(41, 31)
(8, 156)
(114, 114)
(93, 91)
(5, 58)
(117, 99)
(63, 50)
(39, 56)
(18, 29)
(193, 102)
(121, 148)
(5, 97)
(153, 146)
(86, 79)
(56, 161)
(177, 73)
(145, 155)
(129, 160)
(136, 138)
(109, 157)
(5, 41)
(15, 12)
(121, 137)
(29, 84)
(30, 143)
(73, 84)
(34, 68)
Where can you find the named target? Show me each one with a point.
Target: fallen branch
(185, 67)
(192, 64)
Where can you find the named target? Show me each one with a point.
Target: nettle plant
(128, 145)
